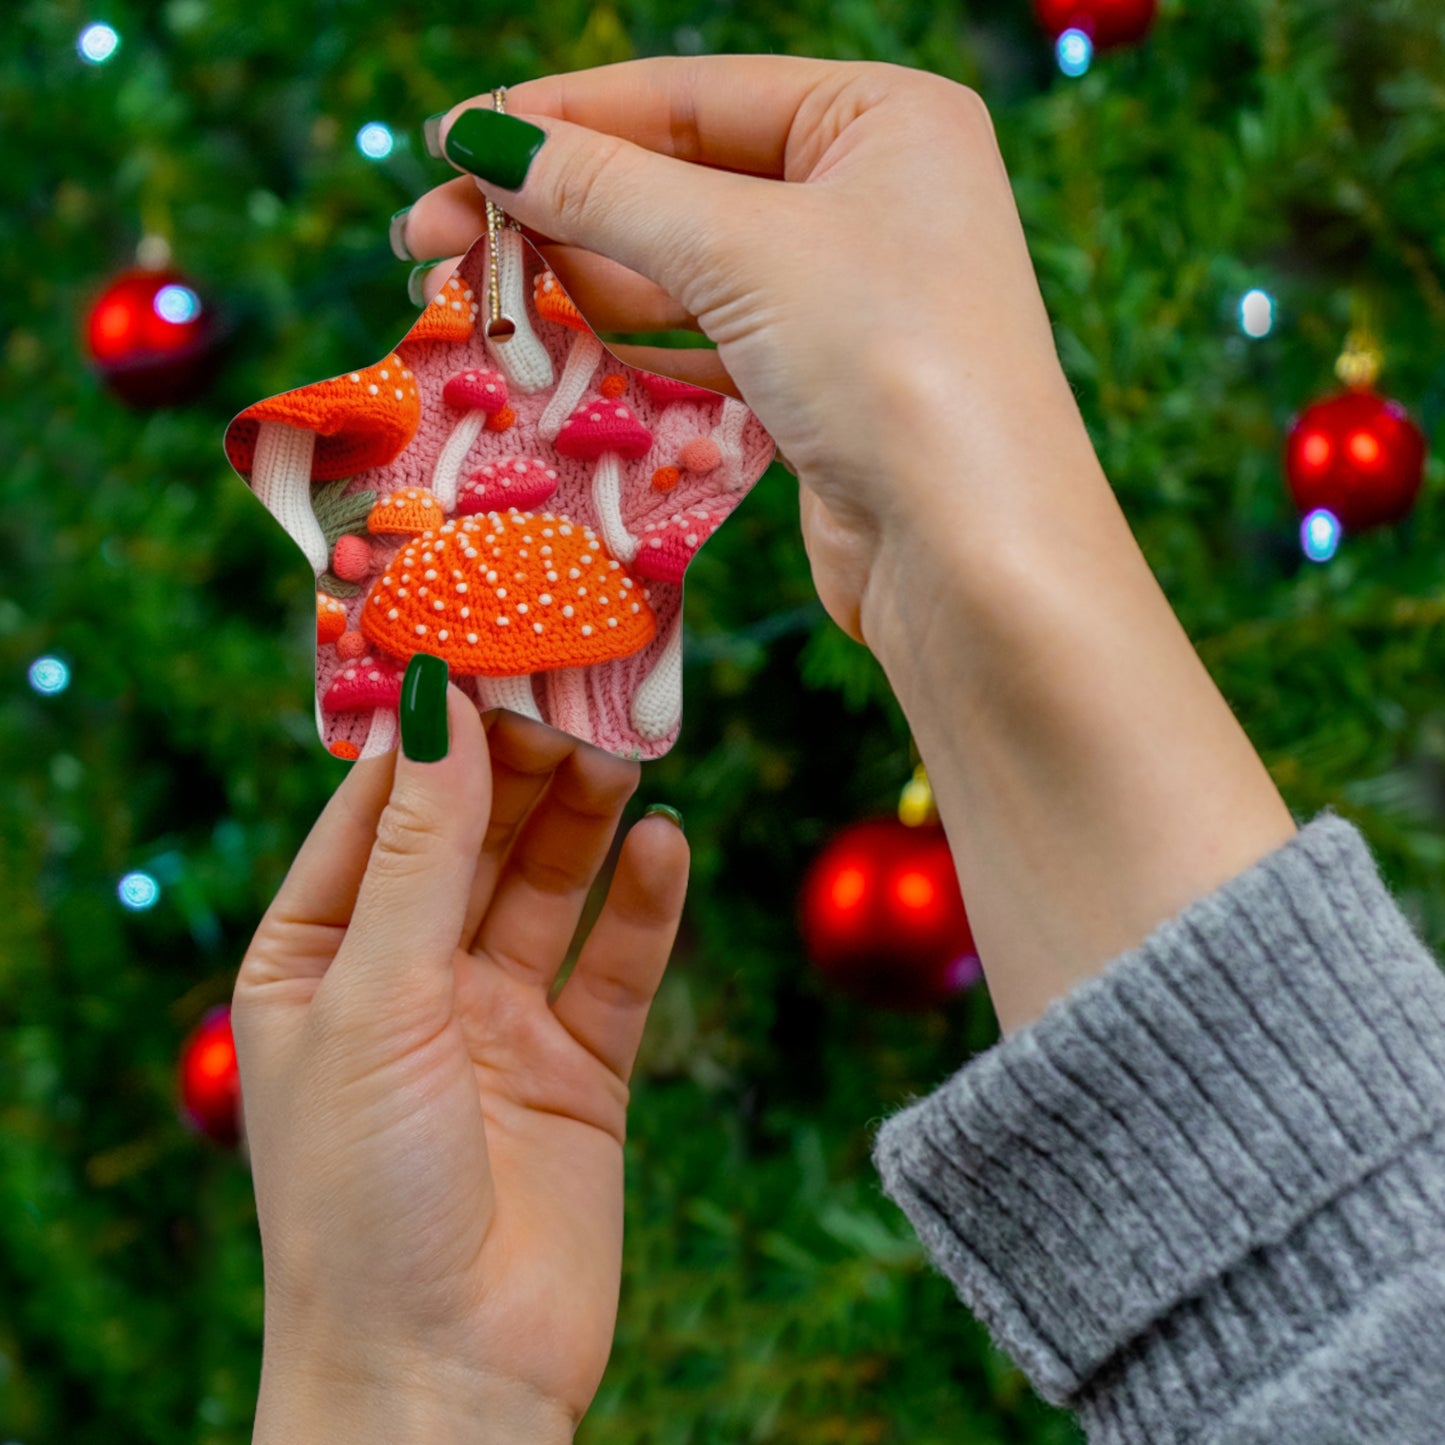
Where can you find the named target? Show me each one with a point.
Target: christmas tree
(1212, 211)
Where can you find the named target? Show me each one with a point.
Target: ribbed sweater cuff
(1178, 1159)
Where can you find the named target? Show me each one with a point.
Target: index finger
(735, 112)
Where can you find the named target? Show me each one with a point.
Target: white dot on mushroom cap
(461, 586)
(636, 607)
(421, 629)
(386, 581)
(472, 637)
(374, 389)
(581, 591)
(627, 581)
(406, 576)
(349, 673)
(386, 376)
(602, 601)
(612, 622)
(567, 610)
(621, 410)
(551, 576)
(691, 539)
(401, 592)
(573, 573)
(376, 601)
(439, 605)
(398, 500)
(356, 376)
(654, 541)
(466, 611)
(521, 607)
(398, 393)
(501, 591)
(585, 559)
(594, 416)
(431, 574)
(443, 635)
(470, 552)
(504, 621)
(393, 615)
(545, 599)
(566, 531)
(586, 629)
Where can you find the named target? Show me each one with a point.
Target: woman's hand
(437, 1147)
(879, 313)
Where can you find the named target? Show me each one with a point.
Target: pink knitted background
(610, 685)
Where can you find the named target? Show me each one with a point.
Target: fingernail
(671, 814)
(396, 234)
(424, 709)
(431, 133)
(498, 148)
(414, 289)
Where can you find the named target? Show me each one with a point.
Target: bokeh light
(49, 675)
(1256, 313)
(97, 43)
(138, 891)
(177, 304)
(375, 140)
(1075, 52)
(1320, 535)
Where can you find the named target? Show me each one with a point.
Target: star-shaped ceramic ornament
(524, 506)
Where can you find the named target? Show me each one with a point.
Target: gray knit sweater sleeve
(1202, 1199)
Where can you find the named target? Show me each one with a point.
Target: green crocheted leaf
(330, 583)
(338, 512)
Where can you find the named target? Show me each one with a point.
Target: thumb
(666, 219)
(413, 898)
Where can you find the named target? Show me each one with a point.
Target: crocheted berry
(666, 478)
(330, 619)
(700, 456)
(350, 645)
(509, 484)
(343, 749)
(409, 511)
(351, 558)
(501, 420)
(613, 385)
(507, 594)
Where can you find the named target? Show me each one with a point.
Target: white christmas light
(97, 43)
(375, 140)
(138, 891)
(1256, 313)
(1320, 535)
(1075, 52)
(49, 675)
(177, 304)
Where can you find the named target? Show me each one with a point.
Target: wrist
(389, 1401)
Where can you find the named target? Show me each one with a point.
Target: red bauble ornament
(1359, 456)
(152, 338)
(883, 918)
(210, 1083)
(1106, 22)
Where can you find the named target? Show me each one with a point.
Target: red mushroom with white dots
(511, 482)
(603, 430)
(481, 397)
(373, 685)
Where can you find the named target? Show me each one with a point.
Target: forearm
(1091, 778)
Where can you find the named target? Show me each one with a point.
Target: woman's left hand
(436, 1142)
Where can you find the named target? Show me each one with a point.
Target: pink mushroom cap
(363, 686)
(522, 482)
(603, 424)
(665, 549)
(476, 391)
(667, 389)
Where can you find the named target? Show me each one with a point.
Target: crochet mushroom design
(507, 594)
(554, 304)
(511, 484)
(323, 433)
(481, 397)
(449, 316)
(407, 511)
(603, 430)
(368, 685)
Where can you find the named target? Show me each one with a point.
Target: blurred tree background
(771, 1293)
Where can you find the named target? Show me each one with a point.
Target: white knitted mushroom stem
(567, 702)
(281, 478)
(581, 363)
(449, 460)
(512, 693)
(729, 439)
(607, 503)
(521, 357)
(657, 703)
(382, 735)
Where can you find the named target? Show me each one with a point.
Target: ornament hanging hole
(502, 329)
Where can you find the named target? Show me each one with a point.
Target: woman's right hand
(846, 234)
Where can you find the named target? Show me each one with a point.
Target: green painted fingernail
(424, 709)
(671, 814)
(431, 133)
(414, 290)
(396, 234)
(498, 148)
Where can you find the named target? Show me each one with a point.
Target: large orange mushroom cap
(361, 420)
(449, 316)
(508, 593)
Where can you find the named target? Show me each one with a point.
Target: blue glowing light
(138, 891)
(97, 43)
(375, 141)
(177, 304)
(1075, 52)
(1256, 313)
(1319, 535)
(49, 675)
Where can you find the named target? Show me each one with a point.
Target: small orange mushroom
(407, 511)
(450, 315)
(330, 618)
